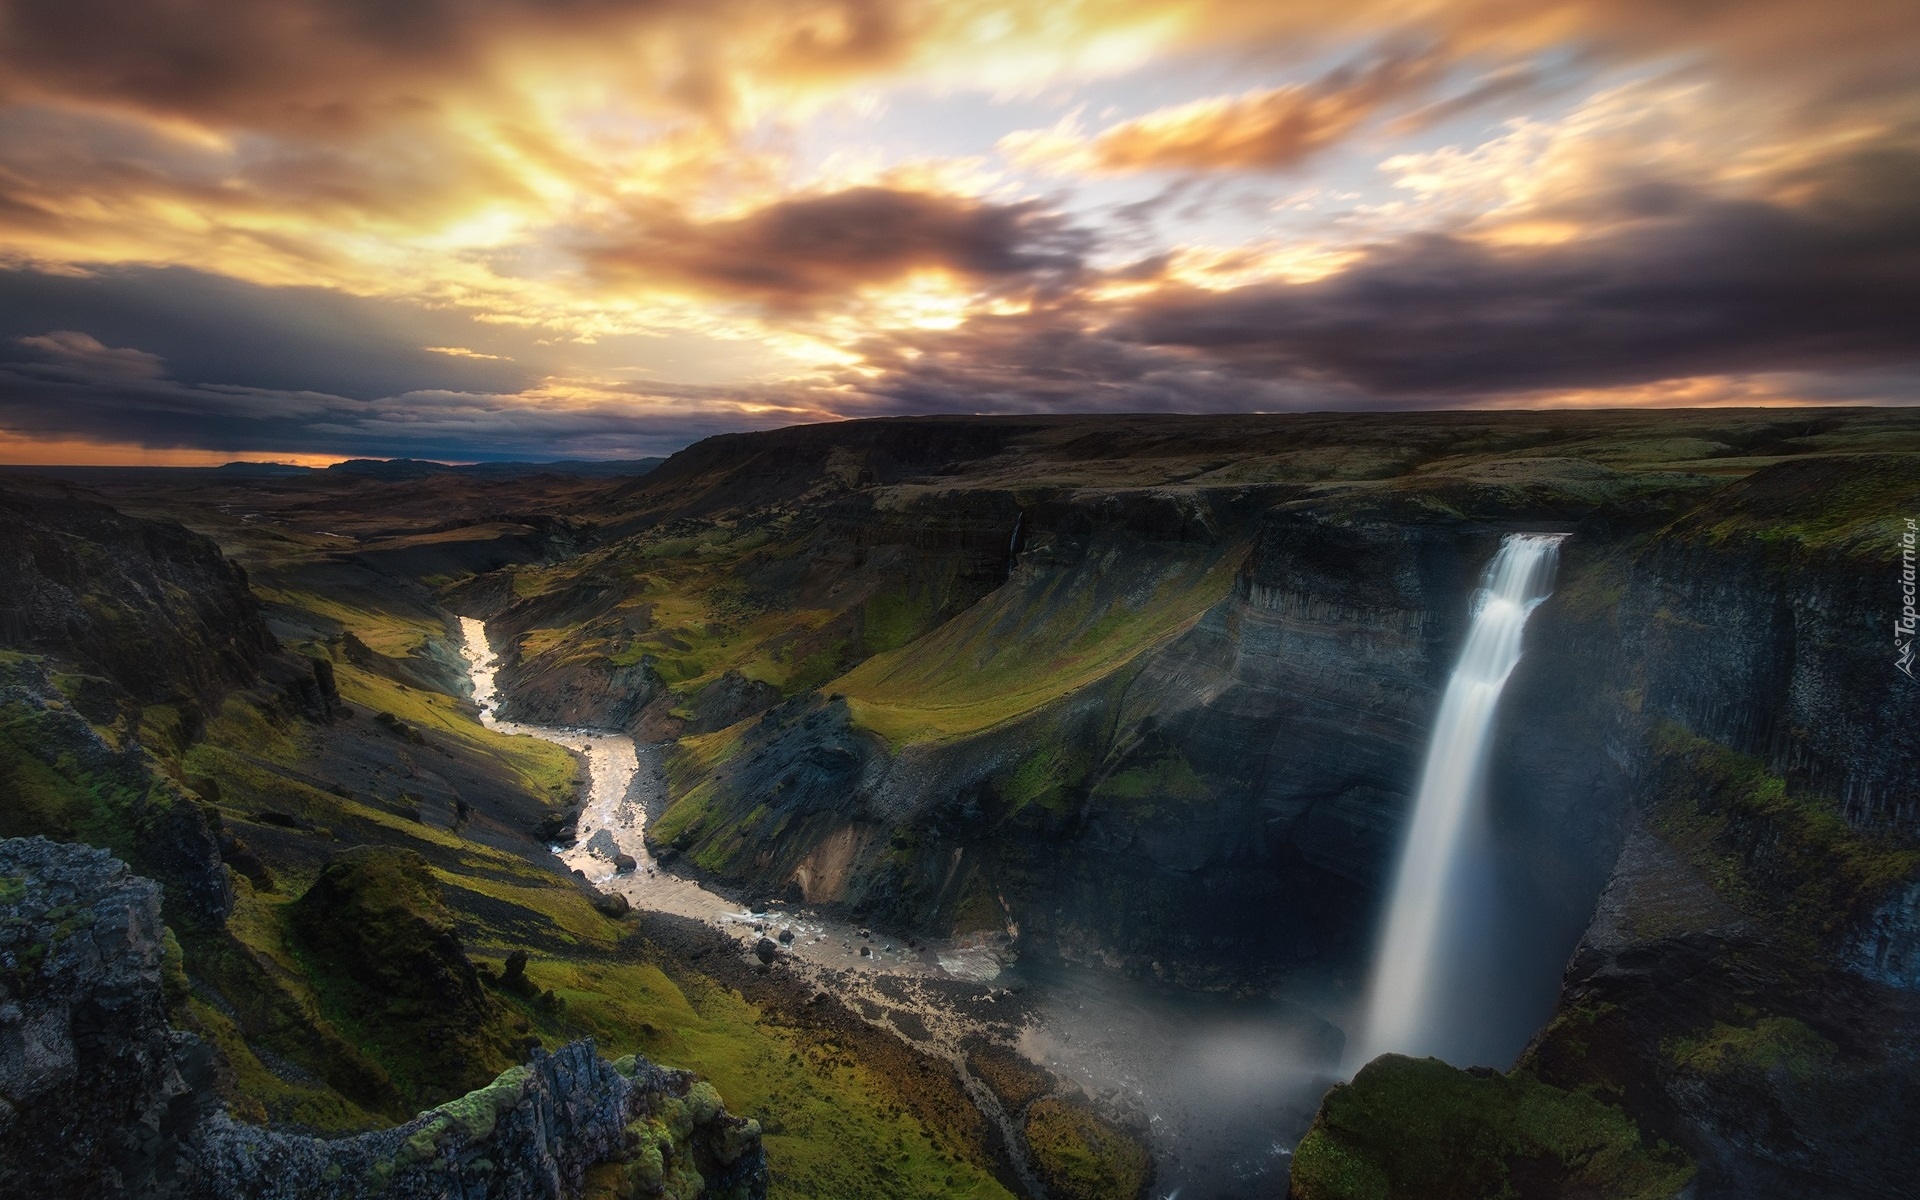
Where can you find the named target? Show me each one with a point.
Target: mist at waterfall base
(1456, 972)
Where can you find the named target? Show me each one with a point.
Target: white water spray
(1403, 1015)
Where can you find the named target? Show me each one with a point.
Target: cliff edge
(101, 1097)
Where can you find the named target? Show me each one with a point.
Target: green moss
(1080, 1156)
(173, 971)
(379, 945)
(1050, 776)
(1770, 1044)
(1773, 852)
(386, 629)
(60, 782)
(473, 1115)
(1168, 782)
(545, 769)
(1028, 645)
(830, 1126)
(1418, 1129)
(260, 1095)
(892, 618)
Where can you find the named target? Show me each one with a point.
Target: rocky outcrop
(66, 780)
(538, 1132)
(149, 605)
(375, 926)
(1779, 1077)
(99, 1097)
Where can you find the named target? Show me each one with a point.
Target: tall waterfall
(1404, 1012)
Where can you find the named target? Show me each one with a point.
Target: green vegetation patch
(542, 767)
(1773, 852)
(381, 949)
(1418, 1129)
(1854, 504)
(1168, 782)
(1035, 641)
(1080, 1156)
(1769, 1044)
(831, 1125)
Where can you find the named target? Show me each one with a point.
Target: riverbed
(1221, 1089)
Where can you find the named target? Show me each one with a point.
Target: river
(1221, 1089)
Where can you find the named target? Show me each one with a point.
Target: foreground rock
(540, 1130)
(99, 1096)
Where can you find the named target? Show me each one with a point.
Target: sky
(487, 229)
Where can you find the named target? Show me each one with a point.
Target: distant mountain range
(376, 468)
(415, 468)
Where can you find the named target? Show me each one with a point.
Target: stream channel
(1222, 1089)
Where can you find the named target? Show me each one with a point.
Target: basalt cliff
(1152, 695)
(1144, 694)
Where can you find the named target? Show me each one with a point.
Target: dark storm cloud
(215, 330)
(172, 358)
(79, 388)
(1683, 286)
(797, 253)
(1689, 286)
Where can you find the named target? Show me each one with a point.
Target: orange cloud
(1265, 130)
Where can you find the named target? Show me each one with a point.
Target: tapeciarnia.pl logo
(1903, 627)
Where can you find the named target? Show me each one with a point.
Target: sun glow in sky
(519, 228)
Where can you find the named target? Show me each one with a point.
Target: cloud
(70, 353)
(553, 419)
(1680, 285)
(1265, 130)
(1683, 297)
(330, 67)
(805, 251)
(209, 329)
(499, 213)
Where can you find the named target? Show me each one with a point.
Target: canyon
(1123, 715)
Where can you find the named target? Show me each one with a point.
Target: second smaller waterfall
(1403, 1014)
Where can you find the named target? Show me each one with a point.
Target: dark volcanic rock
(148, 604)
(100, 1098)
(97, 1093)
(1781, 1080)
(117, 795)
(535, 1133)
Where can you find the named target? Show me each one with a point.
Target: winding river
(1221, 1089)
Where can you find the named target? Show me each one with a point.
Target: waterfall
(1404, 1012)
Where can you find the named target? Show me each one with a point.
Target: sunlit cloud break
(521, 229)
